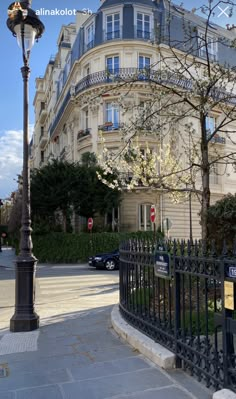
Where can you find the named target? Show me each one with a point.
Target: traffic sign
(153, 213)
(90, 223)
(167, 224)
(4, 235)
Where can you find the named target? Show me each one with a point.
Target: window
(214, 173)
(113, 64)
(113, 26)
(90, 36)
(210, 44)
(143, 26)
(210, 124)
(144, 221)
(112, 116)
(144, 62)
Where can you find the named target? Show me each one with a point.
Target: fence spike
(234, 246)
(224, 251)
(189, 247)
(213, 248)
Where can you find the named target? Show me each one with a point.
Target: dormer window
(90, 36)
(208, 44)
(113, 26)
(143, 26)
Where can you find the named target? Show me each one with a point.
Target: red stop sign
(90, 223)
(4, 235)
(153, 213)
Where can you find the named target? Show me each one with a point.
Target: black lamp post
(26, 26)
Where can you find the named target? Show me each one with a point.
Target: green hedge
(68, 248)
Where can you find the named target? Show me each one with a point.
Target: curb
(224, 394)
(145, 345)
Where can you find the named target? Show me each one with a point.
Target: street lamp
(26, 26)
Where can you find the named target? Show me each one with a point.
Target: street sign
(153, 213)
(167, 224)
(90, 223)
(232, 271)
(162, 264)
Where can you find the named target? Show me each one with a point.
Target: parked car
(108, 261)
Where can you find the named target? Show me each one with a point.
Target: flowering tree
(189, 105)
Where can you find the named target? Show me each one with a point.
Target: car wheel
(110, 265)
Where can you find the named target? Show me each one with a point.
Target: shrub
(67, 248)
(222, 221)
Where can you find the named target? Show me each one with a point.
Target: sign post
(90, 224)
(167, 225)
(153, 218)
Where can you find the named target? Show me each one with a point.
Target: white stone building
(118, 40)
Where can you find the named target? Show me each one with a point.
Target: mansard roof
(111, 3)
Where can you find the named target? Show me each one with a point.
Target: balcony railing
(143, 34)
(60, 113)
(83, 133)
(113, 35)
(122, 75)
(110, 126)
(218, 139)
(89, 45)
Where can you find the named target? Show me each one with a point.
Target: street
(61, 289)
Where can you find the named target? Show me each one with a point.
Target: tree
(51, 192)
(60, 187)
(187, 87)
(221, 218)
(90, 195)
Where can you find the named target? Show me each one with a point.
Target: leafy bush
(67, 248)
(222, 221)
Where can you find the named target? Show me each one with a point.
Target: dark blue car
(108, 261)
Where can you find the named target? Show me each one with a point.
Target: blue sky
(11, 81)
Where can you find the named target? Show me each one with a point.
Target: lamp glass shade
(28, 35)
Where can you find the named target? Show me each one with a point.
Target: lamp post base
(21, 324)
(25, 318)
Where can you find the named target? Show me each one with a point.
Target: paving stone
(17, 380)
(191, 384)
(104, 387)
(48, 392)
(172, 392)
(8, 395)
(109, 368)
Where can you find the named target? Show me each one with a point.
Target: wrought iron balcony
(113, 35)
(122, 75)
(143, 34)
(89, 45)
(218, 139)
(83, 133)
(60, 113)
(110, 126)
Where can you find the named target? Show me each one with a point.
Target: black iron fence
(182, 296)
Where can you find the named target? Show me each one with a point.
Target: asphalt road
(60, 289)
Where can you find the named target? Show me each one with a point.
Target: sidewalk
(77, 355)
(7, 258)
